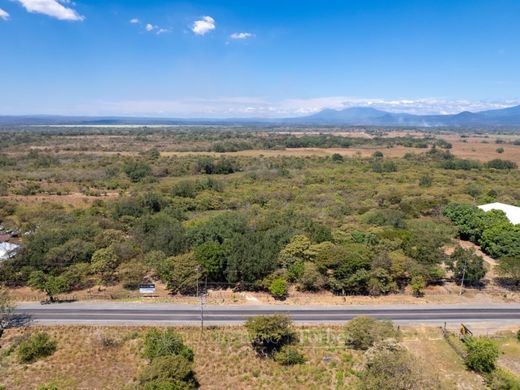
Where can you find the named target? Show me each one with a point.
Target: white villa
(511, 212)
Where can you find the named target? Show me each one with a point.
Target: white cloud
(204, 25)
(3, 15)
(162, 31)
(53, 8)
(241, 36)
(149, 27)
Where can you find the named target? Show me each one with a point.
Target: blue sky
(258, 57)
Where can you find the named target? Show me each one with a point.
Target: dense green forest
(351, 225)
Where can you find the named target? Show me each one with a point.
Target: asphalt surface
(135, 313)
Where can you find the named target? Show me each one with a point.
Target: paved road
(134, 313)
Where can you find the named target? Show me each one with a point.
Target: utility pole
(202, 302)
(199, 296)
(197, 270)
(202, 298)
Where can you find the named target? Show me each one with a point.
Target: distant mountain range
(373, 117)
(354, 116)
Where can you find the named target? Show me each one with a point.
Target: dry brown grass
(82, 360)
(437, 358)
(510, 349)
(476, 147)
(224, 359)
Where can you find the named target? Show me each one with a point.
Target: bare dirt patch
(75, 200)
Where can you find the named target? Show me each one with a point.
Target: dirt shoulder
(446, 294)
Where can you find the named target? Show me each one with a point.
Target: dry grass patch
(509, 353)
(436, 357)
(86, 358)
(110, 358)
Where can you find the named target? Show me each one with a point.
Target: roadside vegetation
(269, 352)
(170, 362)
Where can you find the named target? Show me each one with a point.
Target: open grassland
(110, 358)
(481, 147)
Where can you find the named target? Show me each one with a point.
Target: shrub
(386, 166)
(362, 332)
(336, 157)
(278, 288)
(390, 366)
(136, 170)
(481, 354)
(385, 217)
(501, 164)
(418, 284)
(311, 279)
(269, 333)
(501, 379)
(37, 346)
(425, 181)
(518, 335)
(169, 372)
(185, 189)
(457, 164)
(289, 356)
(165, 343)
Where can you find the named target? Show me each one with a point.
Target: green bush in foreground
(362, 332)
(501, 379)
(165, 343)
(289, 356)
(171, 362)
(269, 334)
(481, 354)
(37, 346)
(518, 335)
(168, 372)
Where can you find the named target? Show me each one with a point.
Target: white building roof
(7, 250)
(512, 212)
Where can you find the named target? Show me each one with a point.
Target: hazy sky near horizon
(256, 58)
